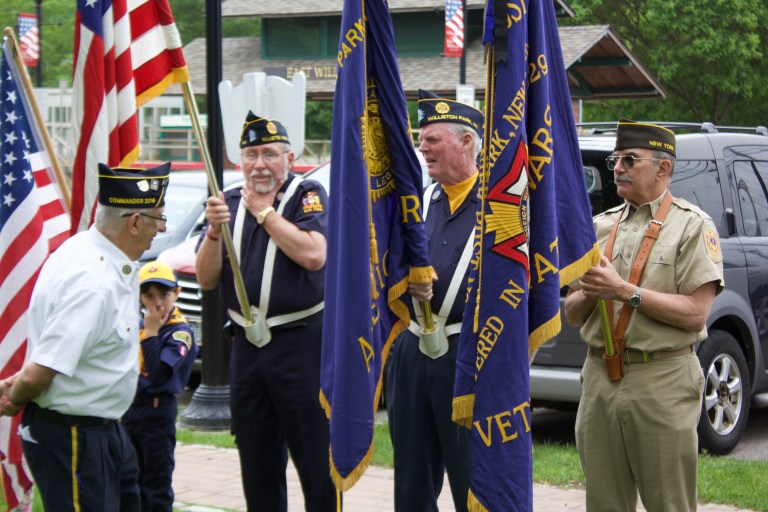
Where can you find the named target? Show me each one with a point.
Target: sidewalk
(207, 479)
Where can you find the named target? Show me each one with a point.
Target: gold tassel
(463, 407)
(374, 246)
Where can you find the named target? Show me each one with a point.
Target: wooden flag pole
(61, 179)
(242, 297)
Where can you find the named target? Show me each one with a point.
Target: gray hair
(109, 218)
(663, 155)
(477, 141)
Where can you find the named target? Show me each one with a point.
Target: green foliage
(708, 54)
(57, 36)
(318, 120)
(58, 31)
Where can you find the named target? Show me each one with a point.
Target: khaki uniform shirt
(686, 255)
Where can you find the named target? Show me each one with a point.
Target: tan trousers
(639, 435)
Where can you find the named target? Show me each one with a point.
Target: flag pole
(194, 115)
(61, 179)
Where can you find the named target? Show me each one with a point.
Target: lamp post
(209, 407)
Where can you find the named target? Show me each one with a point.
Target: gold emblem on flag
(375, 149)
(508, 220)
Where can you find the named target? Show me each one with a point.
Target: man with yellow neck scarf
(421, 368)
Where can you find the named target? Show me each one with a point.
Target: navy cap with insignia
(124, 187)
(434, 109)
(258, 130)
(631, 134)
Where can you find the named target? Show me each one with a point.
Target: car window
(751, 186)
(698, 182)
(180, 202)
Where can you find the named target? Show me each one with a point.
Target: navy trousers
(152, 430)
(419, 394)
(78, 465)
(275, 409)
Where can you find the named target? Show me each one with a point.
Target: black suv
(724, 171)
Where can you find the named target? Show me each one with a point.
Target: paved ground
(208, 479)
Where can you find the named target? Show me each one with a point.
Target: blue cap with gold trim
(434, 109)
(124, 187)
(258, 130)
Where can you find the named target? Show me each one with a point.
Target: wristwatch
(635, 300)
(262, 215)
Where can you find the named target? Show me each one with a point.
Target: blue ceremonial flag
(376, 237)
(534, 234)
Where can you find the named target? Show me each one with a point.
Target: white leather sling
(258, 332)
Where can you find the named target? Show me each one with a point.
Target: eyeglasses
(627, 161)
(269, 157)
(162, 218)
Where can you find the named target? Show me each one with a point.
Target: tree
(58, 30)
(708, 54)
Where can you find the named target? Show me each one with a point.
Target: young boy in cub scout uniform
(421, 368)
(278, 224)
(638, 432)
(168, 351)
(82, 366)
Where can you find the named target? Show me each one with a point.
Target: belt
(153, 400)
(638, 356)
(68, 420)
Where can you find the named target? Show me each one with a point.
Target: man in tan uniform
(638, 433)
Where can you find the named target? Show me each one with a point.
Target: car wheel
(725, 408)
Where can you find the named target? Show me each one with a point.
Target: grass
(721, 480)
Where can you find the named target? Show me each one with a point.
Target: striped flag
(29, 38)
(127, 52)
(33, 222)
(534, 234)
(454, 28)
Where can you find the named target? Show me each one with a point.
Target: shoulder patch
(311, 203)
(712, 243)
(183, 337)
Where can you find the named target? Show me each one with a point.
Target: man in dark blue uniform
(278, 227)
(168, 351)
(421, 369)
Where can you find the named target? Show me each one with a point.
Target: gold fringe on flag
(577, 269)
(473, 505)
(463, 408)
(421, 274)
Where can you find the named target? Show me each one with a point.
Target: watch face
(634, 300)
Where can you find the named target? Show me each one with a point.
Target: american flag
(29, 38)
(33, 222)
(454, 28)
(126, 53)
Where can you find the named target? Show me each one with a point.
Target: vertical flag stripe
(126, 53)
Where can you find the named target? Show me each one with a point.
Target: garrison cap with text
(158, 272)
(124, 187)
(631, 134)
(258, 131)
(434, 109)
